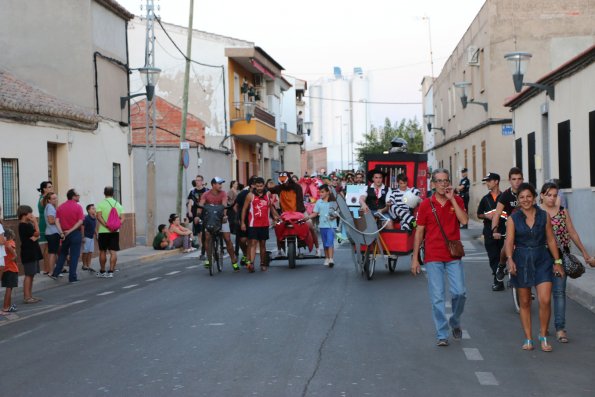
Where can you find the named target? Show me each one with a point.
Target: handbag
(455, 247)
(572, 266)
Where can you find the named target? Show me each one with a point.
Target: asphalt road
(167, 328)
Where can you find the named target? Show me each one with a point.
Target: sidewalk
(580, 290)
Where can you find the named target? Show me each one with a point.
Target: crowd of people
(57, 240)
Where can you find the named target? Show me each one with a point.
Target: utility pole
(184, 109)
(150, 133)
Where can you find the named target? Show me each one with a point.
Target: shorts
(53, 243)
(225, 227)
(109, 241)
(10, 279)
(31, 268)
(327, 235)
(196, 228)
(88, 245)
(258, 233)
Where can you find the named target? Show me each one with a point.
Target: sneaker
(498, 286)
(52, 276)
(500, 272)
(280, 252)
(457, 333)
(236, 267)
(331, 262)
(243, 261)
(442, 342)
(61, 274)
(12, 309)
(207, 264)
(101, 274)
(319, 252)
(202, 257)
(325, 261)
(110, 274)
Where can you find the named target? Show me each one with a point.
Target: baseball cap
(217, 180)
(492, 176)
(464, 170)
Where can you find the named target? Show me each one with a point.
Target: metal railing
(250, 110)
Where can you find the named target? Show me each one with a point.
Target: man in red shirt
(216, 196)
(69, 217)
(449, 209)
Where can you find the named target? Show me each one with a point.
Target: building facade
(478, 136)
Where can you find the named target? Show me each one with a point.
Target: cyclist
(217, 196)
(507, 203)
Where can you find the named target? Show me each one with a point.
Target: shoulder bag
(455, 247)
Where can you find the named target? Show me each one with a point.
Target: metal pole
(150, 134)
(185, 108)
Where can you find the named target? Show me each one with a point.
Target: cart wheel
(392, 264)
(369, 262)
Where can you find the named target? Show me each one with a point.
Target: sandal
(31, 300)
(545, 346)
(264, 268)
(528, 345)
(561, 336)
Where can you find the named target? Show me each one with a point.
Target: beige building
(62, 73)
(556, 138)
(479, 136)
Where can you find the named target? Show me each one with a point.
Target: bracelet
(558, 262)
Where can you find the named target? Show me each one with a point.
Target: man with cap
(217, 196)
(463, 190)
(486, 211)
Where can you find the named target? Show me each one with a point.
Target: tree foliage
(378, 139)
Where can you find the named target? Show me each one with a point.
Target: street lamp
(518, 62)
(429, 118)
(149, 76)
(462, 90)
(308, 125)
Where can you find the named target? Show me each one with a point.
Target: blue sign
(507, 129)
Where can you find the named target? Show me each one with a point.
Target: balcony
(252, 123)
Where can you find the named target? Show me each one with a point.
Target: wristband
(558, 262)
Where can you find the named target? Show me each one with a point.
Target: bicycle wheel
(216, 255)
(370, 261)
(210, 255)
(392, 264)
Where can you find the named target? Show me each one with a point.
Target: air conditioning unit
(258, 80)
(473, 56)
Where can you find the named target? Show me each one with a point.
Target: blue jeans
(559, 292)
(71, 245)
(455, 273)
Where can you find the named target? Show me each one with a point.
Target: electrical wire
(362, 102)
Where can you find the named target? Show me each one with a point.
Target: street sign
(507, 129)
(184, 145)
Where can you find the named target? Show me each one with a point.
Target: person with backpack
(109, 216)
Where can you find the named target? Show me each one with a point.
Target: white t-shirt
(2, 250)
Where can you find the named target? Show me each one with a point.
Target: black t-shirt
(488, 204)
(466, 184)
(509, 200)
(195, 195)
(30, 250)
(240, 200)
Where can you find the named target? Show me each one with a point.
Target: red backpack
(113, 220)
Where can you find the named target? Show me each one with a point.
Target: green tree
(377, 141)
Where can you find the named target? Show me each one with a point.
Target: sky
(389, 39)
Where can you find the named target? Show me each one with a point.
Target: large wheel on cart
(369, 262)
(291, 253)
(392, 264)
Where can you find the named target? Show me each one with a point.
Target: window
(474, 162)
(531, 158)
(117, 182)
(564, 154)
(592, 145)
(10, 188)
(518, 151)
(484, 166)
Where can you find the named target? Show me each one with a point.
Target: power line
(362, 101)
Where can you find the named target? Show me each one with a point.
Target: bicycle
(212, 221)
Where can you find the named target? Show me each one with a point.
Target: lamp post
(429, 119)
(149, 76)
(462, 90)
(518, 62)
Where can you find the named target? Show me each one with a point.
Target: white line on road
(216, 324)
(192, 267)
(486, 379)
(130, 286)
(172, 273)
(53, 309)
(472, 354)
(79, 301)
(153, 279)
(466, 334)
(105, 293)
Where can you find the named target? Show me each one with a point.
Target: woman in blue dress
(529, 235)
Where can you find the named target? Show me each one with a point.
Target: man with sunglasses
(442, 213)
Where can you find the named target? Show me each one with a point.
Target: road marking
(153, 279)
(192, 267)
(172, 273)
(105, 293)
(53, 309)
(486, 379)
(216, 324)
(130, 286)
(472, 354)
(466, 334)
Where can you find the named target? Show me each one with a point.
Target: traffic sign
(507, 129)
(184, 145)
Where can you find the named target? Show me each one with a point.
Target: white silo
(360, 91)
(340, 114)
(327, 110)
(315, 93)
